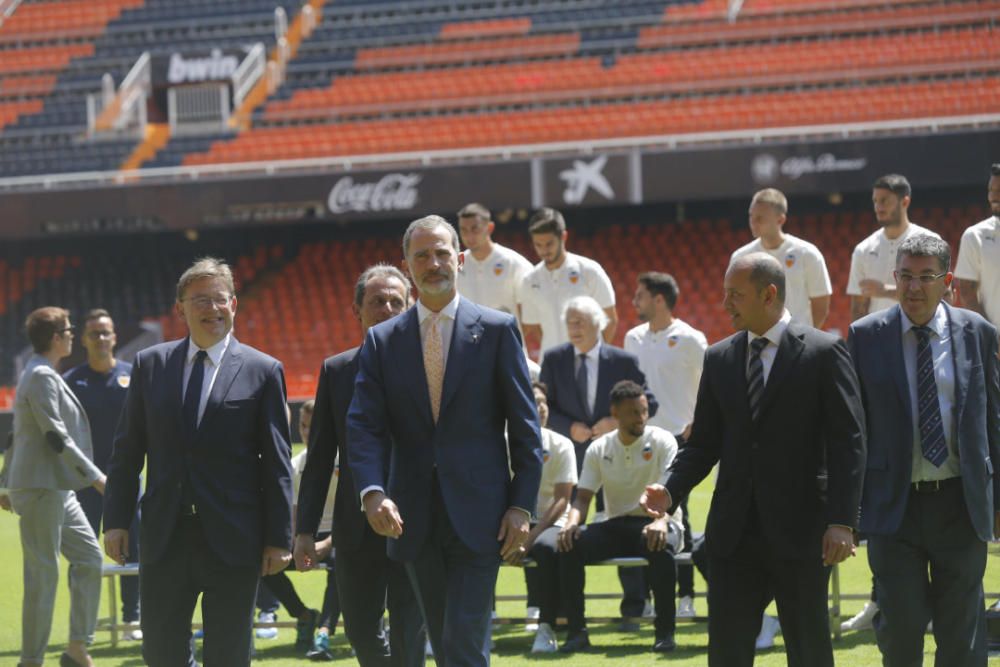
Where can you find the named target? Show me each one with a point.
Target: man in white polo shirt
(671, 353)
(807, 282)
(621, 463)
(871, 284)
(978, 268)
(557, 278)
(489, 274)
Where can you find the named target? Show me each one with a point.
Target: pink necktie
(434, 364)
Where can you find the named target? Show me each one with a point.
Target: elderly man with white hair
(579, 375)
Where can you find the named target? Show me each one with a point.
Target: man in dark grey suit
(778, 410)
(931, 388)
(206, 415)
(365, 575)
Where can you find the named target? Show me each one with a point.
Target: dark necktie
(932, 442)
(581, 384)
(192, 397)
(755, 376)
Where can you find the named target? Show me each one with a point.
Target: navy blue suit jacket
(238, 462)
(486, 387)
(559, 375)
(800, 463)
(875, 342)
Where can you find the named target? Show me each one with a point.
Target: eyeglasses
(206, 302)
(924, 278)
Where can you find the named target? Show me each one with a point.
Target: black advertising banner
(590, 180)
(327, 197)
(942, 160)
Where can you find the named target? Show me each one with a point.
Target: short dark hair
(662, 284)
(625, 390)
(44, 323)
(995, 169)
(96, 314)
(429, 222)
(380, 270)
(474, 210)
(547, 220)
(540, 386)
(764, 270)
(925, 245)
(895, 183)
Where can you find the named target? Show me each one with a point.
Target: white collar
(774, 334)
(595, 352)
(214, 353)
(938, 322)
(423, 312)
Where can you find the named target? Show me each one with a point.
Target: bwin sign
(215, 67)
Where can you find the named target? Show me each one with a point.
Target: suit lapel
(174, 386)
(406, 348)
(962, 340)
(466, 334)
(789, 350)
(892, 352)
(229, 368)
(736, 362)
(602, 403)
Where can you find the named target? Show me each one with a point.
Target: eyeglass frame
(923, 278)
(203, 302)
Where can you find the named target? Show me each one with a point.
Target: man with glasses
(930, 384)
(100, 384)
(206, 416)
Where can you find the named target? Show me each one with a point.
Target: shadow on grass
(607, 641)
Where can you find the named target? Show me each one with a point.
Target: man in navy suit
(365, 575)
(436, 388)
(206, 415)
(931, 388)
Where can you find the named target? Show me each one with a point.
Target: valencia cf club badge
(497, 269)
(790, 260)
(574, 277)
(545, 457)
(672, 341)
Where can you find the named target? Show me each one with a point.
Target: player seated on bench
(621, 462)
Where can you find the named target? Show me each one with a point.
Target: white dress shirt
(212, 361)
(773, 336)
(944, 375)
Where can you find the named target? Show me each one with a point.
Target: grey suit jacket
(45, 403)
(875, 345)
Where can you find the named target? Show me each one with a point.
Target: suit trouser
(543, 579)
(92, 503)
(741, 585)
(931, 569)
(366, 579)
(454, 586)
(51, 522)
(170, 587)
(616, 538)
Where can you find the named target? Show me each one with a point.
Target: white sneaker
(545, 640)
(428, 649)
(267, 633)
(134, 633)
(533, 615)
(648, 611)
(685, 607)
(862, 620)
(769, 627)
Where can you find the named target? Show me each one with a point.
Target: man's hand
(305, 552)
(274, 560)
(655, 532)
(383, 515)
(324, 547)
(99, 484)
(838, 544)
(5, 502)
(514, 529)
(580, 432)
(876, 288)
(655, 500)
(116, 544)
(567, 535)
(603, 426)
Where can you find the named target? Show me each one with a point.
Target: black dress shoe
(578, 642)
(665, 644)
(66, 660)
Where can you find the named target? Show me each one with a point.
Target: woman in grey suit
(49, 459)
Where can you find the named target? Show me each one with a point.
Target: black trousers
(92, 503)
(616, 538)
(740, 587)
(170, 587)
(367, 579)
(931, 569)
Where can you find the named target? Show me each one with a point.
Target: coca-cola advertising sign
(392, 192)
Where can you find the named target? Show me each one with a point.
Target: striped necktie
(755, 376)
(932, 442)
